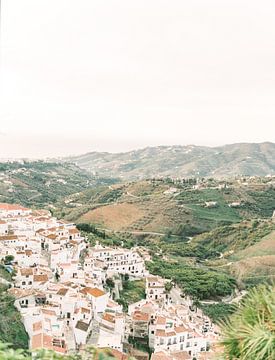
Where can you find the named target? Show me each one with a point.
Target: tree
(8, 259)
(250, 332)
(110, 283)
(56, 276)
(7, 353)
(10, 354)
(168, 286)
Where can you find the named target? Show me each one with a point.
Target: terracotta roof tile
(95, 292)
(140, 316)
(8, 237)
(26, 272)
(108, 317)
(40, 278)
(62, 292)
(11, 207)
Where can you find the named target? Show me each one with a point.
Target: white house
(4, 227)
(13, 210)
(99, 299)
(118, 261)
(155, 289)
(111, 331)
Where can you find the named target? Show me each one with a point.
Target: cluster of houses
(60, 290)
(173, 327)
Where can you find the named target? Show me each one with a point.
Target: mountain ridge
(182, 161)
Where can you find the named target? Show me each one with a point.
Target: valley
(41, 183)
(218, 225)
(212, 239)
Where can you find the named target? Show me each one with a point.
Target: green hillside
(39, 183)
(179, 207)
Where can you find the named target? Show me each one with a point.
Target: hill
(182, 208)
(182, 161)
(39, 183)
(206, 223)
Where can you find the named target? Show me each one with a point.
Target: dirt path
(139, 232)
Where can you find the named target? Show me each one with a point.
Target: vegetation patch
(5, 274)
(198, 282)
(40, 183)
(218, 312)
(12, 330)
(133, 291)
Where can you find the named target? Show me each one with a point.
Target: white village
(60, 288)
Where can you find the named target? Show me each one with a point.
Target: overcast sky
(113, 75)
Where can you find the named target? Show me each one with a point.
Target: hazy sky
(83, 75)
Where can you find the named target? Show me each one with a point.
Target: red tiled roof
(26, 272)
(10, 207)
(43, 341)
(161, 320)
(140, 316)
(40, 278)
(74, 231)
(95, 292)
(62, 292)
(8, 237)
(109, 317)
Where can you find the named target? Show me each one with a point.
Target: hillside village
(60, 287)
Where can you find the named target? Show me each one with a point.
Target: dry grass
(114, 217)
(256, 260)
(264, 247)
(254, 266)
